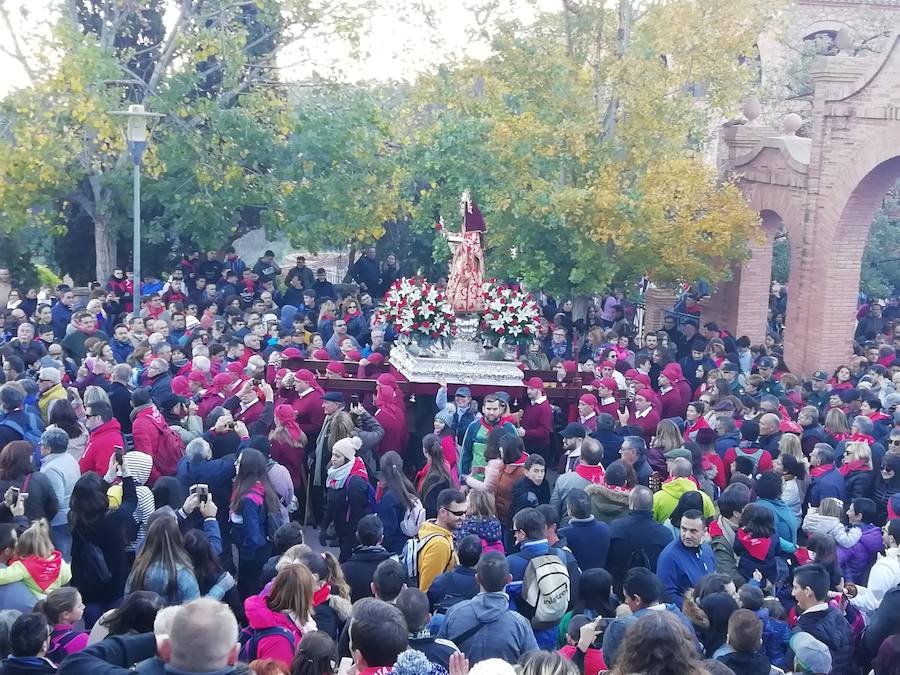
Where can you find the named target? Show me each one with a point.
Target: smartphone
(120, 454)
(345, 665)
(13, 493)
(202, 492)
(354, 399)
(623, 403)
(232, 424)
(257, 381)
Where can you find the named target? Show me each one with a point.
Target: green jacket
(665, 501)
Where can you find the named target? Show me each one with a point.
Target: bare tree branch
(17, 52)
(168, 50)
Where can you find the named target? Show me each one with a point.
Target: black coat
(831, 628)
(611, 442)
(360, 569)
(120, 400)
(859, 484)
(628, 535)
(41, 502)
(347, 505)
(26, 666)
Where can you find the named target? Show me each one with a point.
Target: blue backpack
(250, 637)
(32, 434)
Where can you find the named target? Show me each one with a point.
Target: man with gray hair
(120, 395)
(636, 539)
(61, 469)
(633, 452)
(202, 638)
(862, 429)
(49, 389)
(158, 380)
(197, 467)
(769, 433)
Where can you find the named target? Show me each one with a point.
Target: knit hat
(613, 636)
(180, 386)
(50, 375)
(446, 417)
(320, 355)
(191, 322)
(291, 353)
(375, 359)
(354, 355)
(347, 447)
(706, 436)
(811, 655)
(610, 383)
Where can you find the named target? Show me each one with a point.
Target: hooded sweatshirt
(505, 634)
(436, 556)
(665, 501)
(275, 647)
(139, 464)
(42, 576)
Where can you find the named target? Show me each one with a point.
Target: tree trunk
(579, 307)
(104, 247)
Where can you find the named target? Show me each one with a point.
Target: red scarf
(817, 471)
(43, 571)
(592, 474)
(855, 465)
(757, 547)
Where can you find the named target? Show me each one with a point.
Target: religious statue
(464, 285)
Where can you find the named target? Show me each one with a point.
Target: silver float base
(460, 365)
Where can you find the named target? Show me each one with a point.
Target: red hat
(535, 383)
(196, 376)
(320, 355)
(337, 368)
(643, 379)
(608, 364)
(570, 366)
(354, 355)
(180, 386)
(292, 353)
(235, 368)
(631, 374)
(375, 358)
(281, 372)
(610, 383)
(646, 394)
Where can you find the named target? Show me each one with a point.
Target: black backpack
(639, 558)
(250, 637)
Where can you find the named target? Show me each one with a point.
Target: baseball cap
(811, 655)
(730, 368)
(766, 362)
(820, 375)
(463, 391)
(677, 453)
(573, 430)
(503, 396)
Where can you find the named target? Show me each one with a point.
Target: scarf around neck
(592, 474)
(337, 477)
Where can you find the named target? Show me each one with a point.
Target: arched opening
(778, 293)
(880, 270)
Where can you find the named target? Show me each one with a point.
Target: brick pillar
(742, 304)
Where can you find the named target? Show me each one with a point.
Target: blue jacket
(588, 540)
(506, 635)
(121, 350)
(462, 418)
(829, 484)
(611, 442)
(775, 638)
(451, 588)
(391, 513)
(60, 317)
(785, 521)
(680, 568)
(216, 473)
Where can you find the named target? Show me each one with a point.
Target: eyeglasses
(887, 469)
(895, 441)
(458, 514)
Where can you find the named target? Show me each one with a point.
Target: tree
(209, 163)
(582, 139)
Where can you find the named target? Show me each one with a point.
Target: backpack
(639, 558)
(413, 519)
(546, 587)
(754, 457)
(59, 639)
(250, 637)
(488, 546)
(32, 434)
(273, 520)
(410, 556)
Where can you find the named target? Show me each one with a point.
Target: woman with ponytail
(397, 498)
(63, 609)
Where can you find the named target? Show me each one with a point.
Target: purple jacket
(856, 560)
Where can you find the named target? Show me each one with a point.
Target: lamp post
(136, 123)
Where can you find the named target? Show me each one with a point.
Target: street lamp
(137, 120)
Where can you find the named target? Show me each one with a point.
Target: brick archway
(825, 189)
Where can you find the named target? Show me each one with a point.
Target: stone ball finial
(791, 123)
(751, 108)
(844, 41)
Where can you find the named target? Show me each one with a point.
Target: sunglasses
(887, 469)
(895, 441)
(458, 514)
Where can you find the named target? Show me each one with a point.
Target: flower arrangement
(510, 314)
(418, 309)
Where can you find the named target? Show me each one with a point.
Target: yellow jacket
(57, 391)
(436, 556)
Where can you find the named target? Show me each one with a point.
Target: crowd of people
(701, 509)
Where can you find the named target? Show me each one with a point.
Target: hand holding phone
(11, 496)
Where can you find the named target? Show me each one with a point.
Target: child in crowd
(593, 655)
(533, 489)
(744, 640)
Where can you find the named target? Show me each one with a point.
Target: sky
(395, 49)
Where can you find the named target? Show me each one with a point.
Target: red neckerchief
(592, 474)
(320, 597)
(817, 471)
(618, 488)
(757, 547)
(43, 571)
(855, 465)
(878, 416)
(862, 438)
